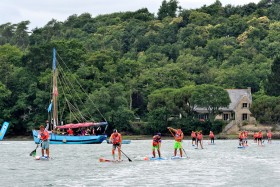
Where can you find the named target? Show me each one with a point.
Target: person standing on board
(193, 135)
(156, 144)
(269, 136)
(245, 138)
(116, 139)
(255, 137)
(199, 139)
(179, 135)
(45, 142)
(212, 137)
(241, 138)
(260, 137)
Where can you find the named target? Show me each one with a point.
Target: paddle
(33, 153)
(181, 144)
(126, 156)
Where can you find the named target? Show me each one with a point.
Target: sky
(40, 12)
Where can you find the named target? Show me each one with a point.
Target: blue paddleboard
(157, 158)
(41, 158)
(177, 157)
(241, 147)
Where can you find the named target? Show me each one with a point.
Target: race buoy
(146, 158)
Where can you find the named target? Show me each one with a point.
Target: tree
(210, 97)
(273, 81)
(167, 9)
(266, 109)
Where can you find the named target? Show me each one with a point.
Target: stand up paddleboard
(154, 158)
(177, 157)
(42, 158)
(211, 144)
(101, 159)
(241, 147)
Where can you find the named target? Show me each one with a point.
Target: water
(77, 165)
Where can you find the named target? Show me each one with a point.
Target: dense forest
(145, 72)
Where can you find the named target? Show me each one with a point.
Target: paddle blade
(33, 153)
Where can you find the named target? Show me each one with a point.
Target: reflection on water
(77, 165)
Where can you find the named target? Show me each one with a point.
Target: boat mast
(55, 91)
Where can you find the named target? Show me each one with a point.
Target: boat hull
(65, 139)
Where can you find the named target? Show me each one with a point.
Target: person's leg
(181, 152)
(48, 152)
(159, 155)
(119, 152)
(43, 152)
(154, 152)
(113, 151)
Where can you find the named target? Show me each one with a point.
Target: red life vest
(116, 139)
(199, 136)
(44, 135)
(211, 135)
(260, 135)
(156, 140)
(179, 136)
(269, 134)
(193, 135)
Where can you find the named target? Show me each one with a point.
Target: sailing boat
(63, 138)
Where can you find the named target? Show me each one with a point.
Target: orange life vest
(193, 135)
(269, 134)
(178, 136)
(116, 139)
(199, 136)
(211, 135)
(156, 140)
(44, 135)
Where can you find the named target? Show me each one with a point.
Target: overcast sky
(40, 12)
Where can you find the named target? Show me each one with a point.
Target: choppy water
(77, 165)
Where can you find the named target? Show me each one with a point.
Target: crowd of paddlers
(258, 137)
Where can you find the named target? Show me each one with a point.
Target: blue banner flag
(50, 107)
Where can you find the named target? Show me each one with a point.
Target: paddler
(156, 144)
(193, 135)
(269, 136)
(116, 139)
(45, 142)
(199, 139)
(260, 137)
(179, 135)
(212, 137)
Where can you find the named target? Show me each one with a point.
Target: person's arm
(47, 127)
(171, 129)
(120, 139)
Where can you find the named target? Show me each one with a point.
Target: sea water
(222, 164)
